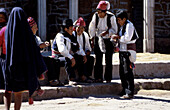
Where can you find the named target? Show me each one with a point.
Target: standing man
(127, 54)
(83, 40)
(102, 26)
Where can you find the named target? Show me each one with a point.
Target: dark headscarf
(24, 62)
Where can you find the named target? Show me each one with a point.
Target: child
(127, 53)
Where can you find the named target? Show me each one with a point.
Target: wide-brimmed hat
(67, 22)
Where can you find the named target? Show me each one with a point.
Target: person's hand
(47, 43)
(114, 36)
(88, 53)
(92, 42)
(73, 62)
(104, 33)
(84, 59)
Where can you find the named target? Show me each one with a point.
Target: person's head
(33, 25)
(121, 17)
(68, 26)
(80, 25)
(3, 17)
(102, 7)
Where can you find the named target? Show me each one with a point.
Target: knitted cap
(80, 22)
(31, 21)
(103, 5)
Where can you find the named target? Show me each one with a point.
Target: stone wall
(162, 18)
(57, 10)
(29, 6)
(162, 26)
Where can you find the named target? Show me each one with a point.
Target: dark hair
(121, 14)
(3, 11)
(102, 10)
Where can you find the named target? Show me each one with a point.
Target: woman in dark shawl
(24, 62)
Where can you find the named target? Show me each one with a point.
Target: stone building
(50, 13)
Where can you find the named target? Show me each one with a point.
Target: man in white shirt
(127, 53)
(65, 44)
(83, 40)
(102, 26)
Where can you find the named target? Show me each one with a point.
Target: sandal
(86, 80)
(98, 81)
(56, 83)
(40, 92)
(41, 77)
(30, 101)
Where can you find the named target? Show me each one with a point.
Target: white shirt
(38, 40)
(62, 48)
(126, 38)
(65, 49)
(102, 26)
(80, 41)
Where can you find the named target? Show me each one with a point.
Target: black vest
(84, 41)
(135, 36)
(74, 43)
(108, 20)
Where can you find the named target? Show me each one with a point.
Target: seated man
(52, 64)
(83, 40)
(65, 45)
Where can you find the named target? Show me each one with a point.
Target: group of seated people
(70, 48)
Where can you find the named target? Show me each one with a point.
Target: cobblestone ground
(144, 100)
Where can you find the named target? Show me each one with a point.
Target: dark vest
(74, 43)
(84, 41)
(134, 37)
(124, 30)
(108, 20)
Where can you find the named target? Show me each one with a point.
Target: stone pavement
(144, 100)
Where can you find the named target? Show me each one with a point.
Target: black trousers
(2, 86)
(126, 73)
(98, 68)
(89, 66)
(79, 66)
(53, 66)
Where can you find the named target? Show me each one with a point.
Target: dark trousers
(2, 63)
(79, 66)
(98, 68)
(53, 66)
(89, 65)
(126, 73)
(2, 86)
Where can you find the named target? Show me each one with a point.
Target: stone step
(84, 89)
